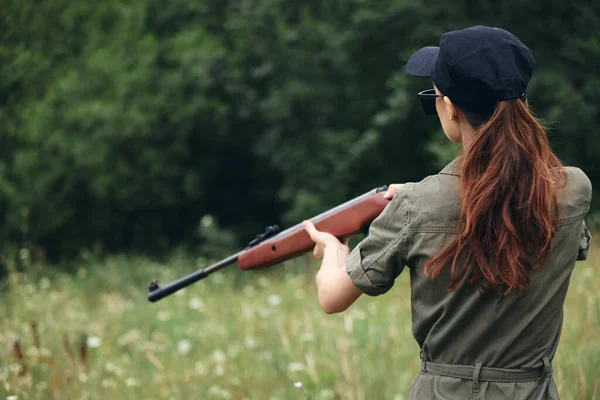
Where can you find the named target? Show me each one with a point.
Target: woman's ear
(450, 109)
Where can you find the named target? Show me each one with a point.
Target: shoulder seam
(449, 174)
(571, 220)
(433, 229)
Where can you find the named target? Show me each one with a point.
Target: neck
(468, 134)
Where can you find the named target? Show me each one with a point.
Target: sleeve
(376, 262)
(585, 242)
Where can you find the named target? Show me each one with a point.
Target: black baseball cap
(476, 67)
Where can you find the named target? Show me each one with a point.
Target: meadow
(90, 333)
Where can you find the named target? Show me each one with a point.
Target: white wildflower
(307, 337)
(250, 342)
(263, 282)
(180, 293)
(399, 397)
(24, 254)
(83, 378)
(114, 368)
(32, 352)
(326, 394)
(296, 366)
(219, 392)
(372, 308)
(207, 221)
(249, 291)
(15, 368)
(94, 342)
(163, 316)
(12, 398)
(298, 385)
(218, 356)
(219, 370)
(44, 283)
(184, 346)
(106, 383)
(195, 303)
(274, 300)
(131, 382)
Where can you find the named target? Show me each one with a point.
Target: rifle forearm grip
(343, 221)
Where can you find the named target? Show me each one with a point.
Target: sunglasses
(427, 98)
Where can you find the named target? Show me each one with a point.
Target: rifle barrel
(157, 292)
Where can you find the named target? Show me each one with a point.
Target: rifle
(273, 246)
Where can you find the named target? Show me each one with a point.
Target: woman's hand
(323, 240)
(335, 289)
(391, 190)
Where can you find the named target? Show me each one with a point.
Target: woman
(490, 241)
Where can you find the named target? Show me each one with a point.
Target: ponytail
(510, 180)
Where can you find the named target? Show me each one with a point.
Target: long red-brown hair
(510, 180)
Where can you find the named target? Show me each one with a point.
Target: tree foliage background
(123, 123)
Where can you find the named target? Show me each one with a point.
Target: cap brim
(421, 63)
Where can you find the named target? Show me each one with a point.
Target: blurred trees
(122, 124)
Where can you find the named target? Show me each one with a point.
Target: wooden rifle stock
(343, 221)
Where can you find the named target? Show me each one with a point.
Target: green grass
(235, 335)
